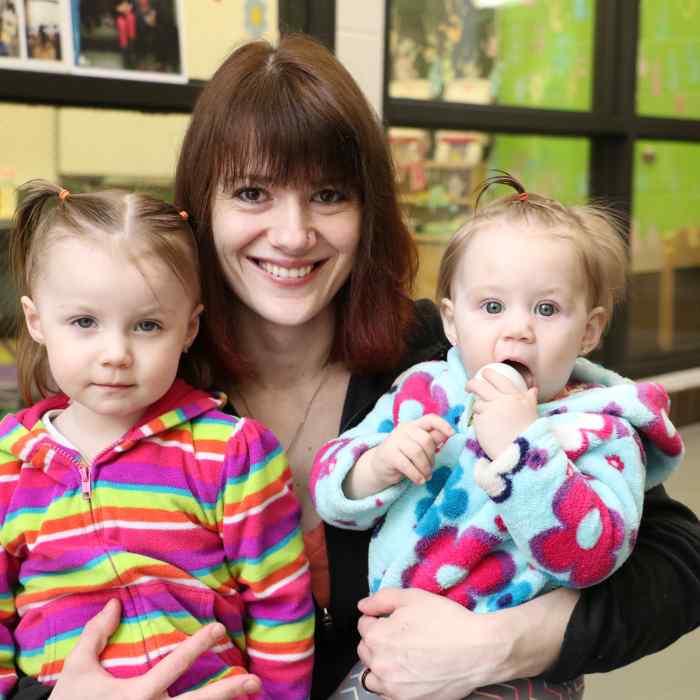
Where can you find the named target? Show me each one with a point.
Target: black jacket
(653, 599)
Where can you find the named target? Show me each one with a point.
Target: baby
(492, 489)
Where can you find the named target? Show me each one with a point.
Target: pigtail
(35, 213)
(37, 199)
(501, 178)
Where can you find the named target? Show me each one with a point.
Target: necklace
(307, 410)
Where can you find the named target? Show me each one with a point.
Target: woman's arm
(422, 646)
(644, 606)
(647, 604)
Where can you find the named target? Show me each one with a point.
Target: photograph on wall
(10, 45)
(45, 23)
(136, 39)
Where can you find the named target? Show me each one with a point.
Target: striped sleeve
(265, 551)
(9, 475)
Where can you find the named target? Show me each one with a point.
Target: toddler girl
(488, 492)
(124, 482)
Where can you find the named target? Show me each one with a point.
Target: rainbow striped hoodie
(187, 519)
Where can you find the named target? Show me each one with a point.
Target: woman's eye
(250, 195)
(329, 196)
(546, 308)
(83, 322)
(492, 307)
(148, 326)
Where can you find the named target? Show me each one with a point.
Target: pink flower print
(659, 430)
(583, 515)
(455, 565)
(325, 463)
(417, 397)
(616, 462)
(590, 430)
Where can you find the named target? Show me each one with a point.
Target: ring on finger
(363, 680)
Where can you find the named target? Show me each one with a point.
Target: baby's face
(520, 297)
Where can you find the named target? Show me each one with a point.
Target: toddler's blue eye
(546, 309)
(493, 307)
(84, 322)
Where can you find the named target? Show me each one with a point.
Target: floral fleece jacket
(559, 507)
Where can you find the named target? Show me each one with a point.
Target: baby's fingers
(438, 428)
(414, 465)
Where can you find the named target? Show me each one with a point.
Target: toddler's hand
(501, 411)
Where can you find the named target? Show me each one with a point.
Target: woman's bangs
(289, 149)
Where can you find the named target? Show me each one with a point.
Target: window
(604, 107)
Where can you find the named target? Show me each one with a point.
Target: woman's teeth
(286, 273)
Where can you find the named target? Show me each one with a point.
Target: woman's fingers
(167, 671)
(226, 689)
(95, 636)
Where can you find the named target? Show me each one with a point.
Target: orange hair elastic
(521, 197)
(63, 195)
(184, 215)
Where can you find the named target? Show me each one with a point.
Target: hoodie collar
(24, 434)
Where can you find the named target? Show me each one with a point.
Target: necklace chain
(307, 411)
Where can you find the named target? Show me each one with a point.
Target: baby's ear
(32, 319)
(447, 313)
(595, 325)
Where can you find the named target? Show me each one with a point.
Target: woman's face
(286, 251)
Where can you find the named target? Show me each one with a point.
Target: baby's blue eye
(493, 307)
(546, 309)
(148, 326)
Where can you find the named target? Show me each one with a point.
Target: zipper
(85, 485)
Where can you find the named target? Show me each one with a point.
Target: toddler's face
(113, 331)
(520, 296)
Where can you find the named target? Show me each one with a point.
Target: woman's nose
(292, 231)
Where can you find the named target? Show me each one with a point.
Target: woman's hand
(83, 676)
(423, 646)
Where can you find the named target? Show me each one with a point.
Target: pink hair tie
(63, 195)
(184, 215)
(522, 197)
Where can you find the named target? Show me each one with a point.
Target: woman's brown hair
(294, 115)
(140, 223)
(594, 230)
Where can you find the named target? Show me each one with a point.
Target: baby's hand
(408, 451)
(501, 411)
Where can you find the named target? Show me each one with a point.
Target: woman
(307, 269)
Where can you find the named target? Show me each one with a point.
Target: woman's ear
(447, 313)
(32, 319)
(595, 325)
